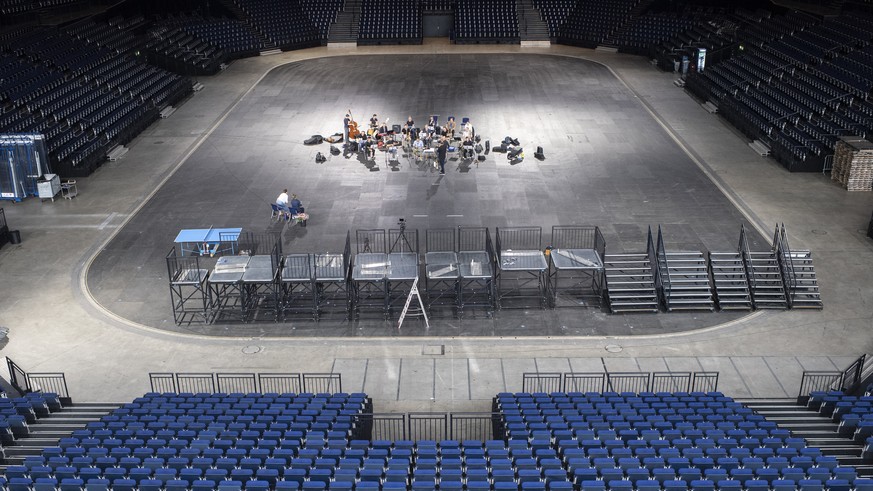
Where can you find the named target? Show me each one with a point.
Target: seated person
(467, 131)
(295, 204)
(282, 200)
(467, 148)
(418, 146)
(409, 123)
(296, 208)
(450, 127)
(383, 128)
(370, 147)
(374, 121)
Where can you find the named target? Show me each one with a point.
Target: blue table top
(207, 234)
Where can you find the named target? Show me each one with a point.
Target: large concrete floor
(57, 325)
(609, 164)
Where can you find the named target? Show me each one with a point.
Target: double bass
(353, 127)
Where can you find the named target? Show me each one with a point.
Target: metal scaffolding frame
(189, 294)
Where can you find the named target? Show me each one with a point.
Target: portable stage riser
(245, 288)
(189, 294)
(297, 290)
(522, 279)
(576, 266)
(369, 273)
(261, 288)
(333, 294)
(476, 261)
(402, 267)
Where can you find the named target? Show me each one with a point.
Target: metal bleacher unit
(245, 287)
(576, 273)
(189, 294)
(521, 268)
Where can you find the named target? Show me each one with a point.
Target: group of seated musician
(381, 135)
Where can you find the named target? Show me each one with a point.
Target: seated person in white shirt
(282, 200)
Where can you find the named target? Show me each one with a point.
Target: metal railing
(786, 262)
(541, 382)
(846, 380)
(24, 382)
(745, 252)
(54, 382)
(702, 381)
(17, 376)
(663, 269)
(653, 263)
(282, 383)
(427, 426)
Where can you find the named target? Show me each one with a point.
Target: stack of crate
(853, 163)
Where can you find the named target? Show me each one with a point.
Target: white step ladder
(413, 292)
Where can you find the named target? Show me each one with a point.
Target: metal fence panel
(670, 382)
(49, 382)
(520, 238)
(428, 426)
(195, 382)
(440, 240)
(322, 382)
(236, 382)
(280, 383)
(704, 382)
(373, 240)
(163, 382)
(573, 237)
(819, 380)
(379, 426)
(475, 426)
(584, 381)
(541, 382)
(627, 382)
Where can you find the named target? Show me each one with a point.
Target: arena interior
(645, 265)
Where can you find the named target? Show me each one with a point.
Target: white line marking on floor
(105, 223)
(454, 216)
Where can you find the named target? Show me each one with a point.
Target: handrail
(653, 263)
(743, 249)
(663, 268)
(786, 263)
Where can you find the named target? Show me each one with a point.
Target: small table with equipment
(208, 241)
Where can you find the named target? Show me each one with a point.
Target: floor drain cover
(433, 349)
(819, 232)
(251, 349)
(613, 348)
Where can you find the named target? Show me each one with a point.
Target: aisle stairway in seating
(731, 287)
(269, 47)
(686, 283)
(818, 430)
(47, 430)
(765, 279)
(345, 29)
(630, 286)
(531, 26)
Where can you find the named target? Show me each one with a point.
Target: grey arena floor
(85, 293)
